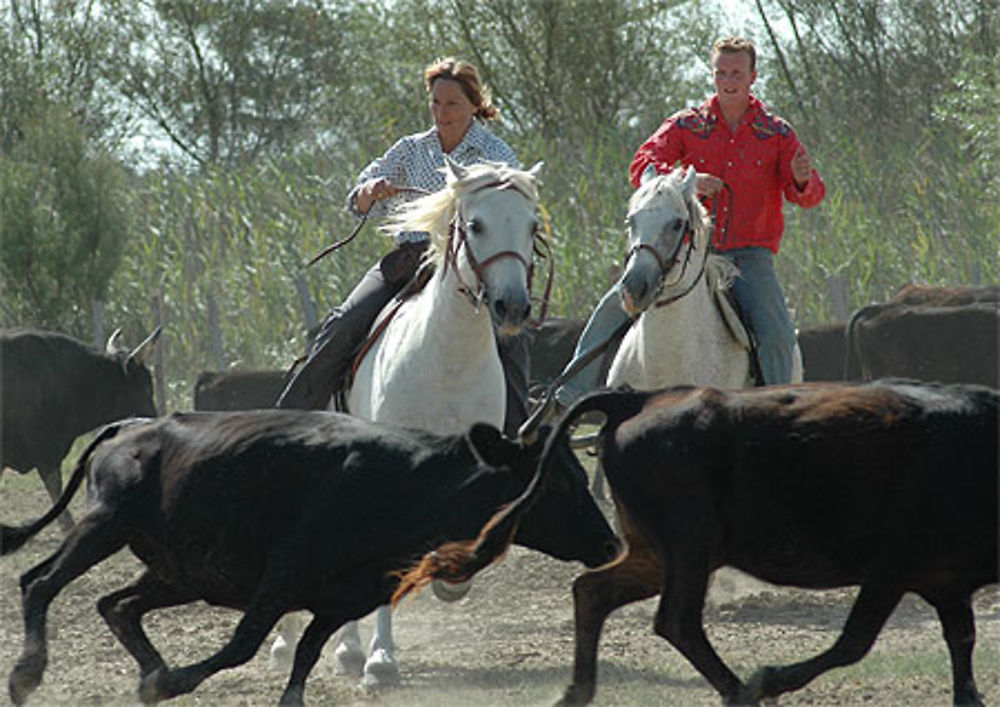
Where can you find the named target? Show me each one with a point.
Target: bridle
(458, 237)
(668, 264)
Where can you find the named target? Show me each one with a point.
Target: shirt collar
(475, 138)
(756, 106)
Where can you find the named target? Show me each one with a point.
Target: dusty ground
(509, 642)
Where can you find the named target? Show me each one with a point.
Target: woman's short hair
(467, 76)
(735, 45)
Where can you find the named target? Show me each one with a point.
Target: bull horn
(142, 350)
(528, 431)
(114, 344)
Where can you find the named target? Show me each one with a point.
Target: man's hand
(708, 184)
(801, 168)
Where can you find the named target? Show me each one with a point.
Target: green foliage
(63, 224)
(273, 107)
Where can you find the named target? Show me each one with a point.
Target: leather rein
(668, 264)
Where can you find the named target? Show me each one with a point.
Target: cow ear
(489, 445)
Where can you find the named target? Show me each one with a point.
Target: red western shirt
(755, 162)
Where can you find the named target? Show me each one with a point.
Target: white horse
(685, 332)
(434, 363)
(671, 282)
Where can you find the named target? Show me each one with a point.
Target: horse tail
(13, 537)
(460, 561)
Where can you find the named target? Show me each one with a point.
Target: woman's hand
(372, 191)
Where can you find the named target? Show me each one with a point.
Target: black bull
(274, 511)
(55, 388)
(890, 485)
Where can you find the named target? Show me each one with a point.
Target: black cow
(942, 296)
(890, 485)
(54, 388)
(552, 346)
(238, 390)
(823, 352)
(949, 344)
(273, 511)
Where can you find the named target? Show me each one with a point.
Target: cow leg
(679, 619)
(308, 651)
(348, 655)
(52, 478)
(381, 669)
(123, 611)
(595, 595)
(260, 617)
(95, 538)
(872, 608)
(959, 626)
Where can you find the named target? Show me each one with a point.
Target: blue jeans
(762, 301)
(605, 319)
(760, 297)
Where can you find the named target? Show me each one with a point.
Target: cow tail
(852, 356)
(13, 537)
(460, 561)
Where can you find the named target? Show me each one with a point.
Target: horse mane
(434, 213)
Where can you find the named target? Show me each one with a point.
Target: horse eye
(475, 226)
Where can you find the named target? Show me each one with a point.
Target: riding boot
(345, 329)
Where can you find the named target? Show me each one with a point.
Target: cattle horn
(114, 344)
(142, 350)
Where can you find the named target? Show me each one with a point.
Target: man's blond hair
(735, 45)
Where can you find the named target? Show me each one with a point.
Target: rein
(704, 261)
(357, 229)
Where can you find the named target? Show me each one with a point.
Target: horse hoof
(380, 670)
(450, 591)
(349, 659)
(280, 659)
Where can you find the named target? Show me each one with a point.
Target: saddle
(731, 313)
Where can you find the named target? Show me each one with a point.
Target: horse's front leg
(381, 669)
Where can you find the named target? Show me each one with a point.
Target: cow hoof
(577, 694)
(450, 591)
(151, 687)
(753, 691)
(349, 659)
(280, 659)
(24, 679)
(380, 670)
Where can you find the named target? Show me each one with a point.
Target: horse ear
(453, 170)
(535, 170)
(648, 174)
(689, 182)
